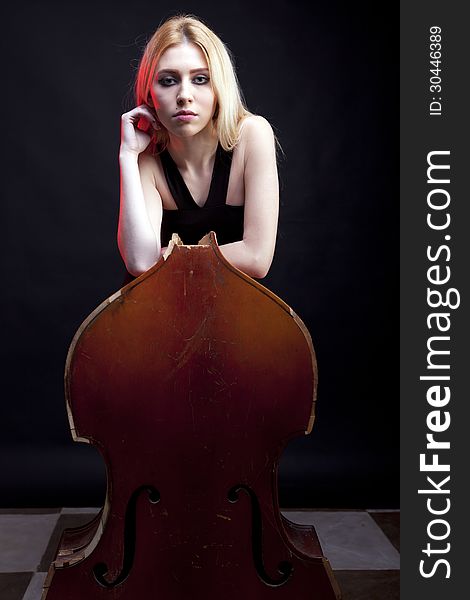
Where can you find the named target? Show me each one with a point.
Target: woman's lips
(184, 117)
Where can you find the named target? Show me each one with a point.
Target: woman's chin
(189, 130)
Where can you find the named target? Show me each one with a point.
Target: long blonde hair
(230, 109)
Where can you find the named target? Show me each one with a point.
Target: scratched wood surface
(190, 381)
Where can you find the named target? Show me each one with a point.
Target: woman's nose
(184, 94)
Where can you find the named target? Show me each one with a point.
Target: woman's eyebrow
(175, 71)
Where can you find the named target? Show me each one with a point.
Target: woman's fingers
(139, 112)
(135, 135)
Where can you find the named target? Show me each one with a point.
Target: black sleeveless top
(191, 221)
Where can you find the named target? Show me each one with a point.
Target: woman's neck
(193, 153)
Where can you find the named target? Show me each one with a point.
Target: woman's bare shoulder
(256, 136)
(253, 125)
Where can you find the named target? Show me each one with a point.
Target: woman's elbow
(137, 268)
(260, 266)
(260, 273)
(136, 265)
(135, 272)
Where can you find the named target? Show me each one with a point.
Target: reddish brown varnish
(190, 381)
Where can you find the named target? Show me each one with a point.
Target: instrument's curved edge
(85, 552)
(85, 323)
(308, 338)
(310, 550)
(175, 241)
(65, 561)
(210, 239)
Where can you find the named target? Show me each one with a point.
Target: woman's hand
(133, 139)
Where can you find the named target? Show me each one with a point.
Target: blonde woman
(193, 158)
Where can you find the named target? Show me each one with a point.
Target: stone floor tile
(34, 591)
(369, 585)
(68, 521)
(350, 540)
(13, 585)
(24, 540)
(29, 511)
(389, 523)
(70, 510)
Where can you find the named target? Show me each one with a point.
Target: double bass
(190, 381)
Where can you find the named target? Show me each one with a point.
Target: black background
(325, 75)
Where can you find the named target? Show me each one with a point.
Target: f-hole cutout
(100, 570)
(285, 568)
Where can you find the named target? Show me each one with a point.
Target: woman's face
(182, 92)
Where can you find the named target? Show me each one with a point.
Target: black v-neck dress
(191, 221)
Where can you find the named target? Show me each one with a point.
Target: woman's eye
(166, 81)
(201, 79)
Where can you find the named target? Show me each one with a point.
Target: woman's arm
(140, 210)
(254, 254)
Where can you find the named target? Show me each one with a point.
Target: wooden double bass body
(190, 381)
